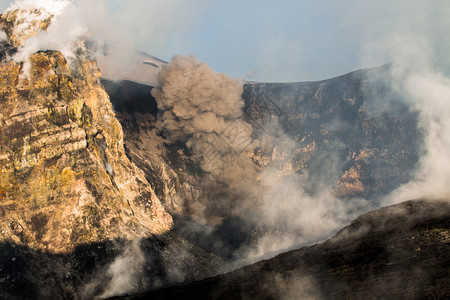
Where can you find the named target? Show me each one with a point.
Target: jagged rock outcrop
(65, 179)
(400, 251)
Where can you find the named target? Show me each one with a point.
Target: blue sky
(270, 40)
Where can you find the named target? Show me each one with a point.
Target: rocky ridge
(65, 178)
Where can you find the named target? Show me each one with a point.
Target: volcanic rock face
(396, 252)
(354, 131)
(65, 178)
(164, 168)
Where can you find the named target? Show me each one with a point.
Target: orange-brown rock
(64, 175)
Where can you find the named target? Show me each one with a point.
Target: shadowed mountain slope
(400, 251)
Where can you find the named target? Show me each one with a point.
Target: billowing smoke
(205, 110)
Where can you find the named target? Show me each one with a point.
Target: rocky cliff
(65, 178)
(76, 214)
(169, 169)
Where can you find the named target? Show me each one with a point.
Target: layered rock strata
(65, 179)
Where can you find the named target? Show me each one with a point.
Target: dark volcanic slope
(26, 273)
(397, 252)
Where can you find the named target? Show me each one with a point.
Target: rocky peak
(64, 176)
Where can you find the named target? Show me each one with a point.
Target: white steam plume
(413, 36)
(65, 29)
(126, 272)
(124, 275)
(429, 93)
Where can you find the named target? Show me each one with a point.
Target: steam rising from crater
(414, 42)
(428, 92)
(45, 25)
(126, 271)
